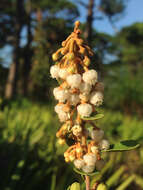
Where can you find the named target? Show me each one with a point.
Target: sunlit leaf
(95, 117)
(123, 146)
(75, 186)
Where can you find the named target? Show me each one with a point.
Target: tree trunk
(11, 85)
(28, 52)
(89, 31)
(89, 22)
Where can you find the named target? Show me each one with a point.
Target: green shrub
(123, 89)
(31, 158)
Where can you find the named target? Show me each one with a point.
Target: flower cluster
(78, 95)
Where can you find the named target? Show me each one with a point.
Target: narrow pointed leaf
(123, 146)
(126, 183)
(139, 180)
(95, 117)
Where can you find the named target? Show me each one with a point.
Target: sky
(133, 13)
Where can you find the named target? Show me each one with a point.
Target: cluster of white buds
(78, 95)
(91, 159)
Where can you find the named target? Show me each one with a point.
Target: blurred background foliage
(30, 157)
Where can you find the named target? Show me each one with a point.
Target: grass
(31, 158)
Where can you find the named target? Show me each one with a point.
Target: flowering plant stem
(87, 182)
(79, 94)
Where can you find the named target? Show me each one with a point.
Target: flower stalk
(87, 182)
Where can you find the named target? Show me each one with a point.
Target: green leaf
(15, 177)
(102, 186)
(68, 187)
(75, 186)
(126, 182)
(139, 180)
(21, 163)
(123, 146)
(83, 173)
(95, 117)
